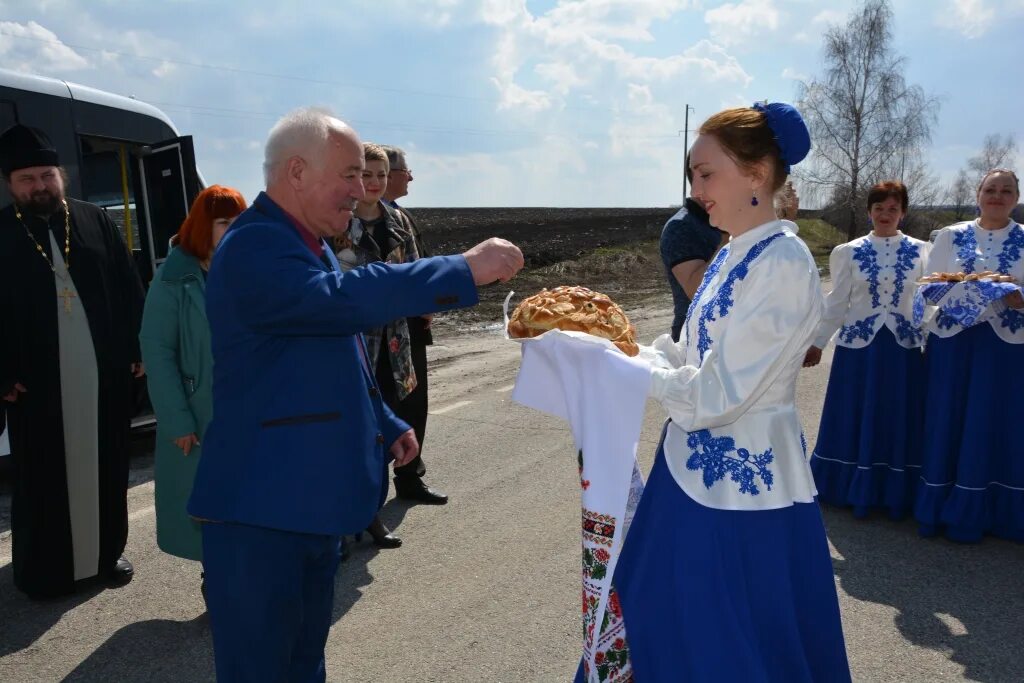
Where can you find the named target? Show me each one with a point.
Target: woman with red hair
(175, 341)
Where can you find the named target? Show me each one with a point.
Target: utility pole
(686, 146)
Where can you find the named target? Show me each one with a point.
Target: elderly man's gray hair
(303, 132)
(396, 156)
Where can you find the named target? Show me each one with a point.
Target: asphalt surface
(487, 587)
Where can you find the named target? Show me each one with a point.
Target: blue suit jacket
(299, 438)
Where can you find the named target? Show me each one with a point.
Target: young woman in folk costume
(973, 475)
(725, 572)
(376, 234)
(869, 443)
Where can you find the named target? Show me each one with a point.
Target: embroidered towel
(964, 302)
(602, 394)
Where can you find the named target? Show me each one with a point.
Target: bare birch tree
(961, 195)
(996, 152)
(866, 122)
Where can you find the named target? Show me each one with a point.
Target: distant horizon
(506, 103)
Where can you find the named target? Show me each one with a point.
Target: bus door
(166, 184)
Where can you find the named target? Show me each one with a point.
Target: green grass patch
(821, 238)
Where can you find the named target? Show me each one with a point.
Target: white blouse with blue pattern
(735, 441)
(873, 284)
(969, 248)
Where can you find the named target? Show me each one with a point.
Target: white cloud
(794, 75)
(535, 176)
(585, 45)
(972, 18)
(735, 24)
(642, 125)
(165, 69)
(36, 49)
(514, 96)
(612, 19)
(828, 17)
(561, 75)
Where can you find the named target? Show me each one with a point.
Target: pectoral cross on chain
(67, 295)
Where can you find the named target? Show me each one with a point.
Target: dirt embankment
(610, 250)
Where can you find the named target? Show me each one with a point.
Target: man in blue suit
(296, 454)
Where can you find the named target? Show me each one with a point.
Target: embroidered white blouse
(735, 441)
(873, 284)
(969, 248)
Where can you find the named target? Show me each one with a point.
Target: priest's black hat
(23, 146)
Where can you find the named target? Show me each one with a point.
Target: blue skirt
(972, 482)
(727, 595)
(868, 453)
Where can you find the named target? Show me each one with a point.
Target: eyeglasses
(406, 171)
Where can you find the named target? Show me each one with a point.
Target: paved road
(486, 589)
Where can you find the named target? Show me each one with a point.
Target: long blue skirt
(727, 595)
(972, 482)
(868, 453)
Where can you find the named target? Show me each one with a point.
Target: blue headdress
(791, 134)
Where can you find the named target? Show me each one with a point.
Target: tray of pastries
(573, 309)
(984, 276)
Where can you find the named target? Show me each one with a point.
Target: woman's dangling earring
(753, 200)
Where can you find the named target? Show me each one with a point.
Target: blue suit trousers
(270, 595)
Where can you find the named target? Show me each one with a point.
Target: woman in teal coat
(175, 342)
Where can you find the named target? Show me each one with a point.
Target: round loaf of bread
(573, 309)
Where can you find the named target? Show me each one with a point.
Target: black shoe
(421, 493)
(381, 535)
(121, 573)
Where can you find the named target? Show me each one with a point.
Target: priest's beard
(42, 203)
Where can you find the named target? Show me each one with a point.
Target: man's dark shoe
(420, 493)
(121, 573)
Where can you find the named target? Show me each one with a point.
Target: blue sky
(505, 102)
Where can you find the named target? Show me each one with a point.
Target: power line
(250, 72)
(228, 113)
(287, 77)
(231, 113)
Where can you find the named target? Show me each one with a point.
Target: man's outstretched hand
(494, 260)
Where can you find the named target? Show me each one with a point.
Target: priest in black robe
(70, 308)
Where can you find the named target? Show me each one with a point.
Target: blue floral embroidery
(715, 455)
(803, 443)
(1011, 249)
(722, 300)
(945, 322)
(706, 281)
(967, 247)
(861, 329)
(907, 253)
(867, 260)
(907, 331)
(1012, 319)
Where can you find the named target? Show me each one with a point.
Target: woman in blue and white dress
(725, 573)
(868, 453)
(972, 481)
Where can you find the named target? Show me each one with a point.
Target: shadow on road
(353, 574)
(152, 651)
(25, 621)
(963, 600)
